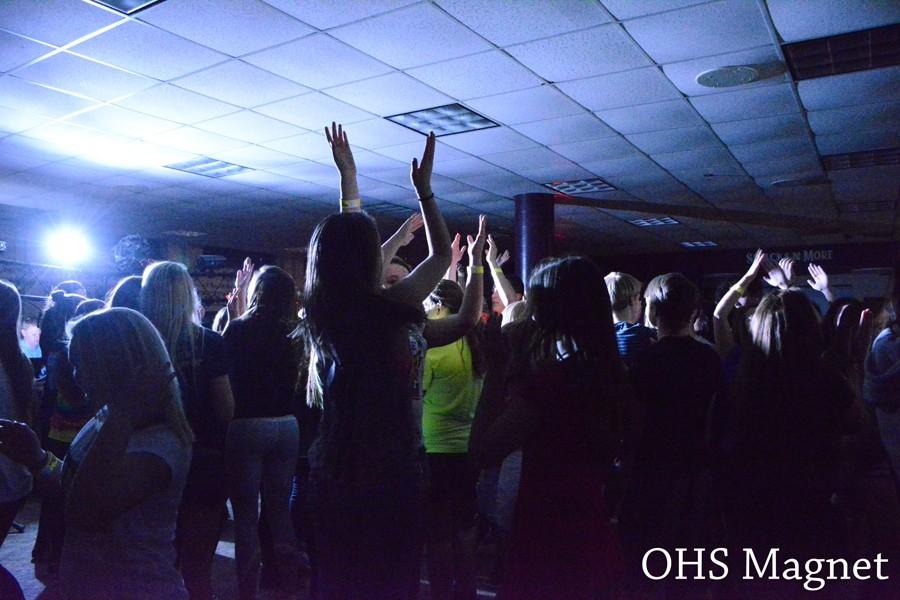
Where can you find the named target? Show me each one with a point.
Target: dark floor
(15, 555)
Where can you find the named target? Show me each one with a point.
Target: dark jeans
(52, 523)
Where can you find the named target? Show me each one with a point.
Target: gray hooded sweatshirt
(881, 389)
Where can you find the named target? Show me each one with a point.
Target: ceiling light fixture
(208, 167)
(184, 233)
(653, 222)
(128, 7)
(443, 120)
(800, 182)
(703, 244)
(581, 186)
(867, 158)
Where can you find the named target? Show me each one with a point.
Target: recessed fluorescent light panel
(443, 120)
(654, 222)
(580, 186)
(856, 160)
(184, 233)
(846, 53)
(128, 7)
(208, 167)
(705, 244)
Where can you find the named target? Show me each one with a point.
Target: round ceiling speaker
(728, 76)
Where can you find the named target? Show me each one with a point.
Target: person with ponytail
(16, 402)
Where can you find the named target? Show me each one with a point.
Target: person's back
(632, 335)
(881, 389)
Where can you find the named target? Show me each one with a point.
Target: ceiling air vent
(653, 222)
(208, 167)
(443, 120)
(846, 53)
(128, 7)
(704, 244)
(868, 158)
(580, 186)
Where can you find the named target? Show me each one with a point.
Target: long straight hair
(568, 305)
(16, 366)
(117, 344)
(341, 295)
(273, 295)
(169, 299)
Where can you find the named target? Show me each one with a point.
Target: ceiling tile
(533, 104)
(529, 159)
(861, 87)
(113, 119)
(389, 94)
(639, 86)
(212, 23)
(71, 73)
(507, 185)
(651, 117)
(250, 127)
(575, 128)
(605, 148)
(776, 166)
(35, 99)
(176, 104)
(749, 131)
(345, 64)
(406, 152)
(864, 116)
(56, 22)
(308, 170)
(367, 161)
(477, 75)
(467, 167)
(311, 145)
(14, 121)
(241, 84)
(798, 20)
(604, 49)
(411, 36)
(135, 46)
(704, 30)
(747, 104)
(16, 51)
(327, 13)
(257, 157)
(858, 140)
(686, 159)
(195, 140)
(765, 59)
(673, 140)
(617, 167)
(771, 149)
(313, 111)
(629, 9)
(377, 133)
(506, 23)
(486, 141)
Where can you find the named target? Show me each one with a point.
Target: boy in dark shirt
(632, 335)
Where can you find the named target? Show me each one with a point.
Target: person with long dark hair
(16, 402)
(262, 442)
(568, 390)
(366, 470)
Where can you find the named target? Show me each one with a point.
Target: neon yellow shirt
(452, 390)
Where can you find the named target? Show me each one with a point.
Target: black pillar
(534, 230)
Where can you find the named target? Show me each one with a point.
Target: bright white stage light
(67, 246)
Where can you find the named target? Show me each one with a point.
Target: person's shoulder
(160, 440)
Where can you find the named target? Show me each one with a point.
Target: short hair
(673, 298)
(399, 261)
(622, 288)
(517, 284)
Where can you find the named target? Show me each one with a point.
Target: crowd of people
(378, 418)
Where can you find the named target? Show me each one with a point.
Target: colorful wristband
(354, 203)
(741, 291)
(479, 270)
(51, 466)
(497, 270)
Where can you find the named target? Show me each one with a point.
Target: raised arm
(441, 332)
(819, 281)
(403, 236)
(456, 252)
(343, 160)
(721, 328)
(416, 286)
(504, 289)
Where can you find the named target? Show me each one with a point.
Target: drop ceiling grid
(493, 48)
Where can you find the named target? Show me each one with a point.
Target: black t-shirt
(210, 361)
(677, 382)
(264, 367)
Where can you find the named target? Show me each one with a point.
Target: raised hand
(503, 258)
(775, 276)
(243, 275)
(340, 149)
(787, 266)
(819, 279)
(476, 244)
(420, 172)
(409, 228)
(457, 251)
(20, 444)
(492, 259)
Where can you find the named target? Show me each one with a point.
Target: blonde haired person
(169, 300)
(126, 468)
(632, 335)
